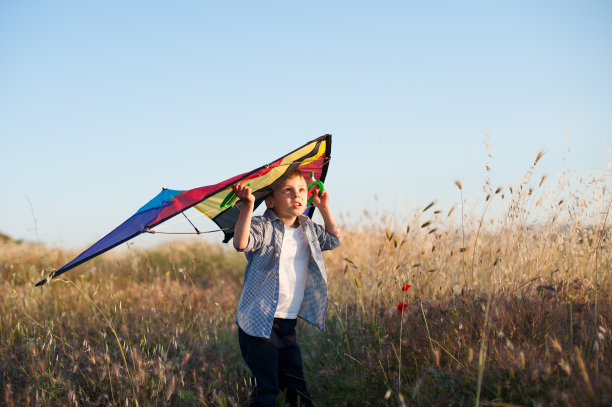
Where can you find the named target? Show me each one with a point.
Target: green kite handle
(319, 184)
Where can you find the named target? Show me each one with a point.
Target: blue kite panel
(124, 232)
(164, 196)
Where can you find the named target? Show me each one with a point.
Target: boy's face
(289, 199)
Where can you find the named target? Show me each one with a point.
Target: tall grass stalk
(433, 352)
(462, 250)
(600, 235)
(489, 199)
(399, 357)
(66, 280)
(482, 354)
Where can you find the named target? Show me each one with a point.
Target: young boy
(284, 278)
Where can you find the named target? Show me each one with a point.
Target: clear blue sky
(104, 103)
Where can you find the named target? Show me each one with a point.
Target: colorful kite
(215, 201)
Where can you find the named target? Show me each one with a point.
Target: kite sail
(215, 201)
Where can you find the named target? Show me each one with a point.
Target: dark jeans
(276, 365)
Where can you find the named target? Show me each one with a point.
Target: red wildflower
(406, 287)
(401, 307)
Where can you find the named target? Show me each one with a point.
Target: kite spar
(213, 200)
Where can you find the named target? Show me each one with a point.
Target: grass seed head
(540, 154)
(432, 203)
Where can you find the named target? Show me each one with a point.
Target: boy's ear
(269, 201)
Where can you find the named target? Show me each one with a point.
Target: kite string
(153, 232)
(177, 221)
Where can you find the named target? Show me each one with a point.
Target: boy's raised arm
(243, 225)
(322, 203)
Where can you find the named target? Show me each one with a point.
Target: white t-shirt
(293, 266)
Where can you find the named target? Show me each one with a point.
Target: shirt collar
(271, 215)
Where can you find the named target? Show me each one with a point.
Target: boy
(284, 278)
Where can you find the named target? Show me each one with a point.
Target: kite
(214, 201)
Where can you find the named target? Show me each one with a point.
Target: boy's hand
(322, 201)
(243, 193)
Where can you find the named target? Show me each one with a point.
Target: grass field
(509, 305)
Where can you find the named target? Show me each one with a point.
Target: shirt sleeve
(327, 241)
(256, 235)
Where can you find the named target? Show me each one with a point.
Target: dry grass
(509, 305)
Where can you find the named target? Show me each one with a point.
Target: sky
(104, 103)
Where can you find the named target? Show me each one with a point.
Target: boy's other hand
(322, 201)
(243, 193)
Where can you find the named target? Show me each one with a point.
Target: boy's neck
(290, 221)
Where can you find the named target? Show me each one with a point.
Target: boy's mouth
(297, 205)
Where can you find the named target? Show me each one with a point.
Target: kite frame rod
(184, 233)
(324, 159)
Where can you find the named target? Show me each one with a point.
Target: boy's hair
(296, 173)
(293, 174)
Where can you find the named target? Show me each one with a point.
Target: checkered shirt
(260, 293)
